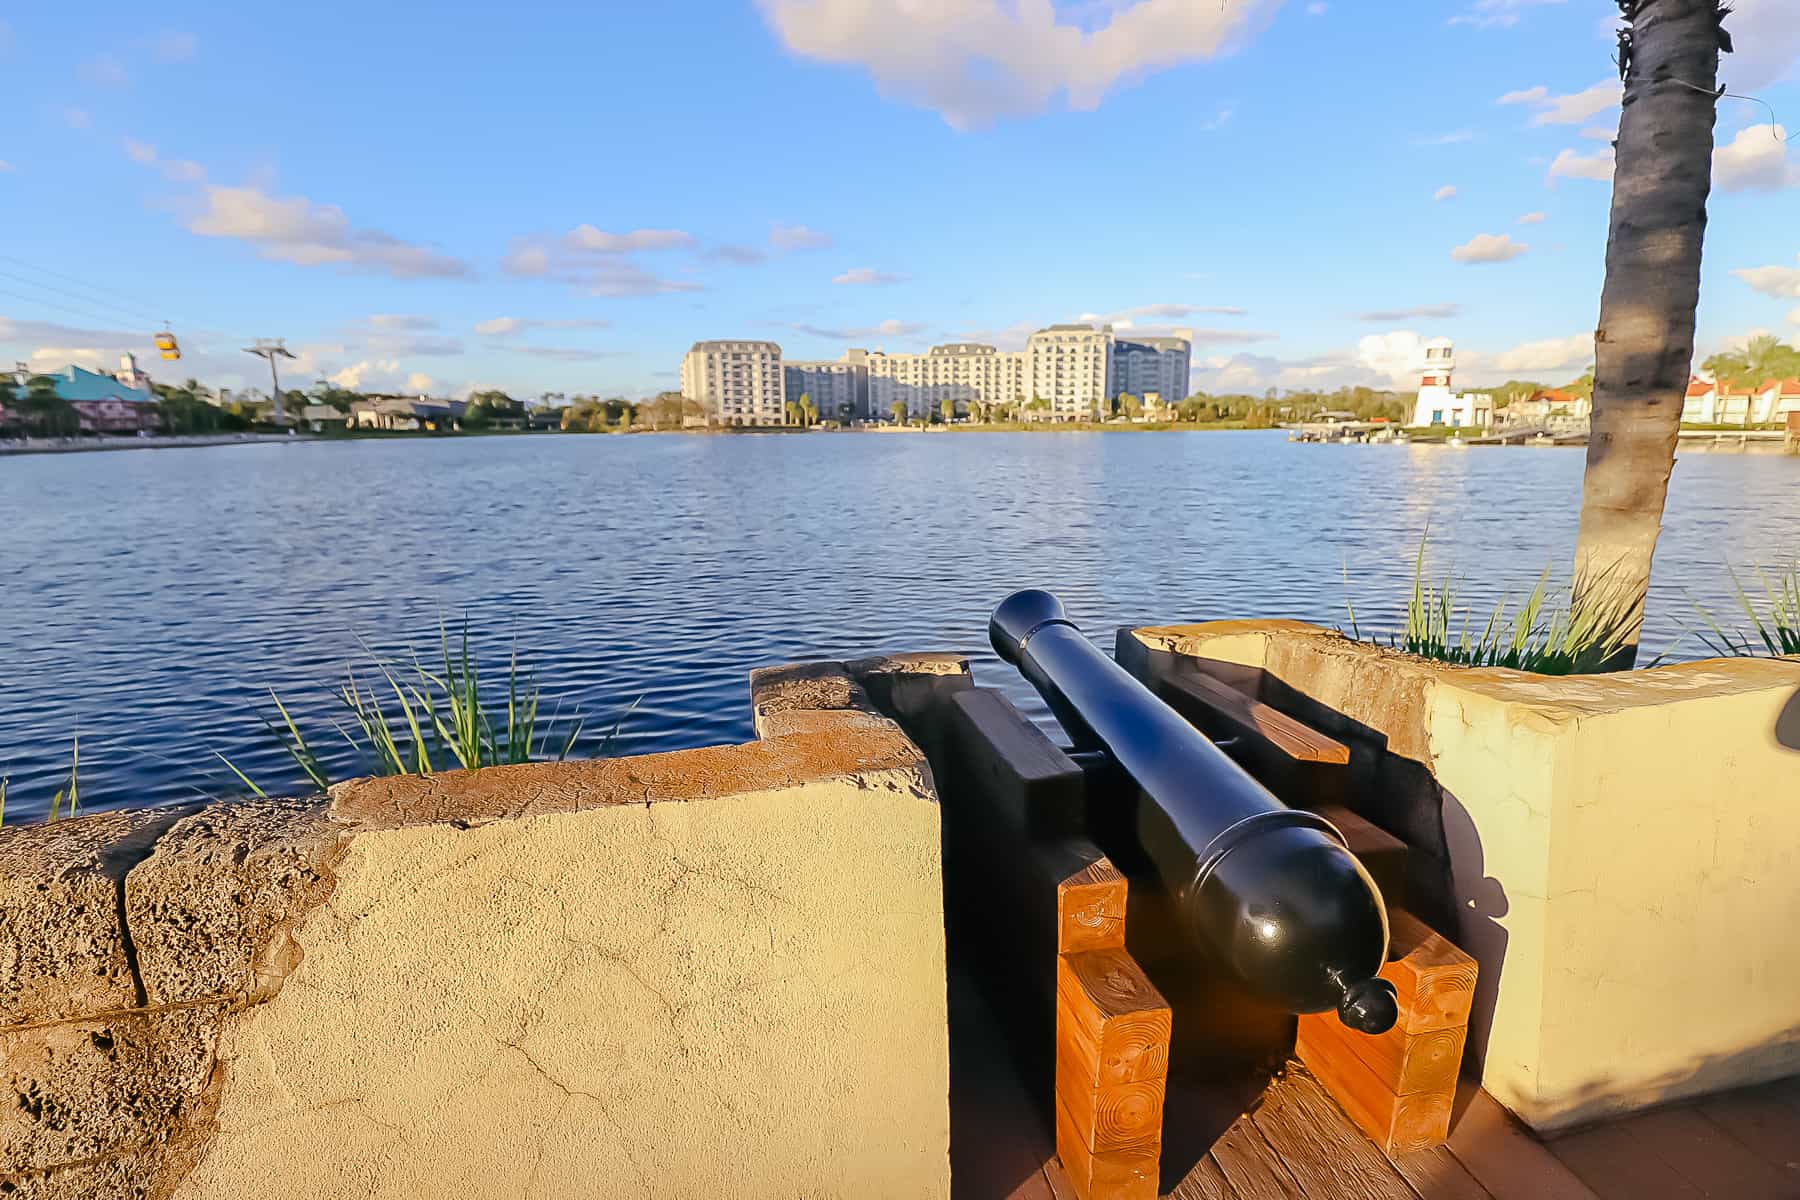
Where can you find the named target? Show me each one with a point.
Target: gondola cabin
(167, 346)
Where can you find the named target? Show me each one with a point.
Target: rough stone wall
(1624, 852)
(715, 971)
(127, 940)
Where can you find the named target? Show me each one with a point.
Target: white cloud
(173, 47)
(1599, 133)
(866, 277)
(293, 229)
(1487, 14)
(598, 262)
(382, 375)
(1794, 317)
(738, 255)
(797, 237)
(1447, 192)
(1218, 120)
(104, 71)
(979, 60)
(1765, 39)
(1571, 109)
(1577, 107)
(1387, 360)
(1533, 95)
(1488, 248)
(1755, 160)
(1434, 311)
(1570, 165)
(402, 321)
(1532, 218)
(558, 353)
(1552, 354)
(1454, 138)
(1165, 311)
(1780, 282)
(889, 328)
(585, 237)
(508, 326)
(179, 170)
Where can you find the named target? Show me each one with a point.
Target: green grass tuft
(412, 721)
(1552, 632)
(1776, 624)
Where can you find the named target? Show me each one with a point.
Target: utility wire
(127, 315)
(79, 313)
(110, 299)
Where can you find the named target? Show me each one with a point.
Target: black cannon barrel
(1272, 890)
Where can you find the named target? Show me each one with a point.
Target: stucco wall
(1624, 852)
(715, 972)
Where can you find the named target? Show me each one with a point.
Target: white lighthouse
(1438, 402)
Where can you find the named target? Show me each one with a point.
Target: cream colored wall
(739, 996)
(1625, 853)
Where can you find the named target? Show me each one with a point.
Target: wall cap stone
(1570, 696)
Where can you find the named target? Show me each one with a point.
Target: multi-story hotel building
(1070, 368)
(737, 383)
(962, 372)
(1075, 370)
(1152, 365)
(838, 388)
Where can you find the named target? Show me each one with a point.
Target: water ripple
(153, 599)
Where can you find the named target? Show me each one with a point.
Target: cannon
(1272, 892)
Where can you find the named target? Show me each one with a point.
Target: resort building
(103, 403)
(961, 372)
(1152, 366)
(839, 388)
(405, 413)
(1727, 402)
(1075, 371)
(1438, 403)
(1070, 368)
(736, 383)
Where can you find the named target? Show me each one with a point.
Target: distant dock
(1566, 433)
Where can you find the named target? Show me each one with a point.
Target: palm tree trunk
(1644, 347)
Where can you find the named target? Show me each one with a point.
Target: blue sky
(564, 197)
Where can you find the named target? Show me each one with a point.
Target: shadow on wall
(1480, 903)
(1787, 723)
(1768, 1058)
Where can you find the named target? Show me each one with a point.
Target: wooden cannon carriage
(1138, 1052)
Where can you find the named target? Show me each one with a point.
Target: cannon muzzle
(1272, 891)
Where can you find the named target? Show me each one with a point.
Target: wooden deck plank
(1205, 1182)
(1508, 1161)
(1436, 1175)
(1614, 1164)
(1254, 1169)
(1323, 1150)
(1058, 1181)
(1761, 1119)
(1700, 1152)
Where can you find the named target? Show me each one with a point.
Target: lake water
(153, 598)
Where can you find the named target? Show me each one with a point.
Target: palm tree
(1644, 347)
(898, 408)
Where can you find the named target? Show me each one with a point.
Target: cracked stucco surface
(1625, 852)
(737, 996)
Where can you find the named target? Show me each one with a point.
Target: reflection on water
(153, 598)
